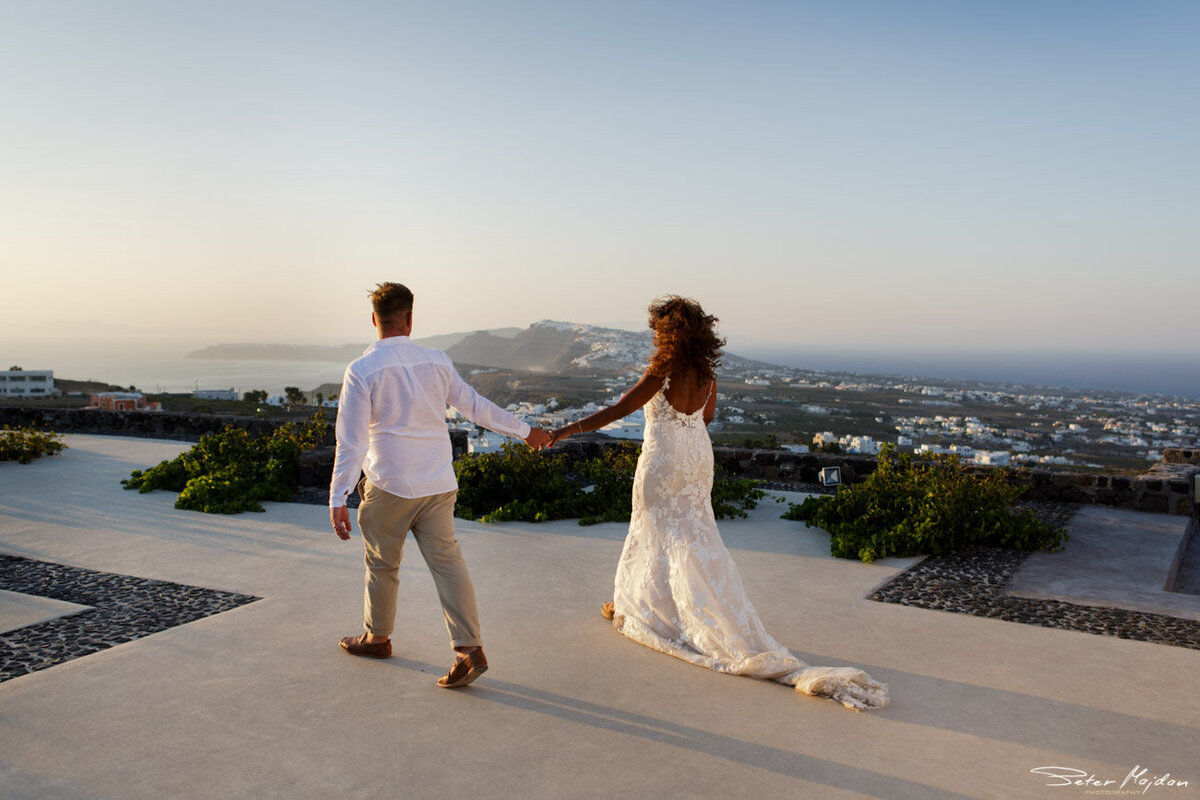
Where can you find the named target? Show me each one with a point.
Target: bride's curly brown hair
(685, 337)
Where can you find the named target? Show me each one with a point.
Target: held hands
(538, 439)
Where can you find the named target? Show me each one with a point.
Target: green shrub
(911, 507)
(610, 498)
(734, 497)
(516, 483)
(522, 484)
(234, 471)
(23, 445)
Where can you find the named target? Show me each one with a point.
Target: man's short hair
(391, 301)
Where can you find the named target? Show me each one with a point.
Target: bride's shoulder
(649, 379)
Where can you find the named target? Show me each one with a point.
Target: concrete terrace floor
(259, 702)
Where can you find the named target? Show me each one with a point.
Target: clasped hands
(539, 439)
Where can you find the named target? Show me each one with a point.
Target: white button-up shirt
(391, 422)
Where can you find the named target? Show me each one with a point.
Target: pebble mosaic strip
(973, 581)
(121, 608)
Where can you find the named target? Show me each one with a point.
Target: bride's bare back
(687, 394)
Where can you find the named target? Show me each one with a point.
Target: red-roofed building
(124, 401)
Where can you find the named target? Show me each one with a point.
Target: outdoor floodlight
(831, 476)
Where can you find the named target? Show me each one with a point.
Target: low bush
(233, 471)
(912, 506)
(516, 483)
(522, 484)
(24, 445)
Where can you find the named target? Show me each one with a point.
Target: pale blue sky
(874, 175)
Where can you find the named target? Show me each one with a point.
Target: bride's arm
(631, 401)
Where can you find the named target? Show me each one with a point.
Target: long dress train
(677, 589)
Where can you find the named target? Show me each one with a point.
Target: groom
(391, 426)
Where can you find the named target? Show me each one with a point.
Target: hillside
(560, 347)
(68, 386)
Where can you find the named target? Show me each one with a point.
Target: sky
(852, 175)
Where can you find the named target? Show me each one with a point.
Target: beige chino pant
(385, 521)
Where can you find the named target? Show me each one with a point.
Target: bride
(677, 589)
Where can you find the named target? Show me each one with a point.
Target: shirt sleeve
(477, 408)
(353, 438)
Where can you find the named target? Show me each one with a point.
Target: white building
(631, 427)
(1032, 459)
(861, 444)
(216, 394)
(995, 458)
(487, 443)
(27, 383)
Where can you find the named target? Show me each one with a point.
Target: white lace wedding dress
(677, 588)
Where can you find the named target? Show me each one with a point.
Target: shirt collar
(389, 341)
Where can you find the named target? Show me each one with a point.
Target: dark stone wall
(153, 424)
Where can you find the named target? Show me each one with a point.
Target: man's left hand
(537, 438)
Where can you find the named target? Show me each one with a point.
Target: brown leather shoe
(359, 646)
(607, 610)
(465, 670)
